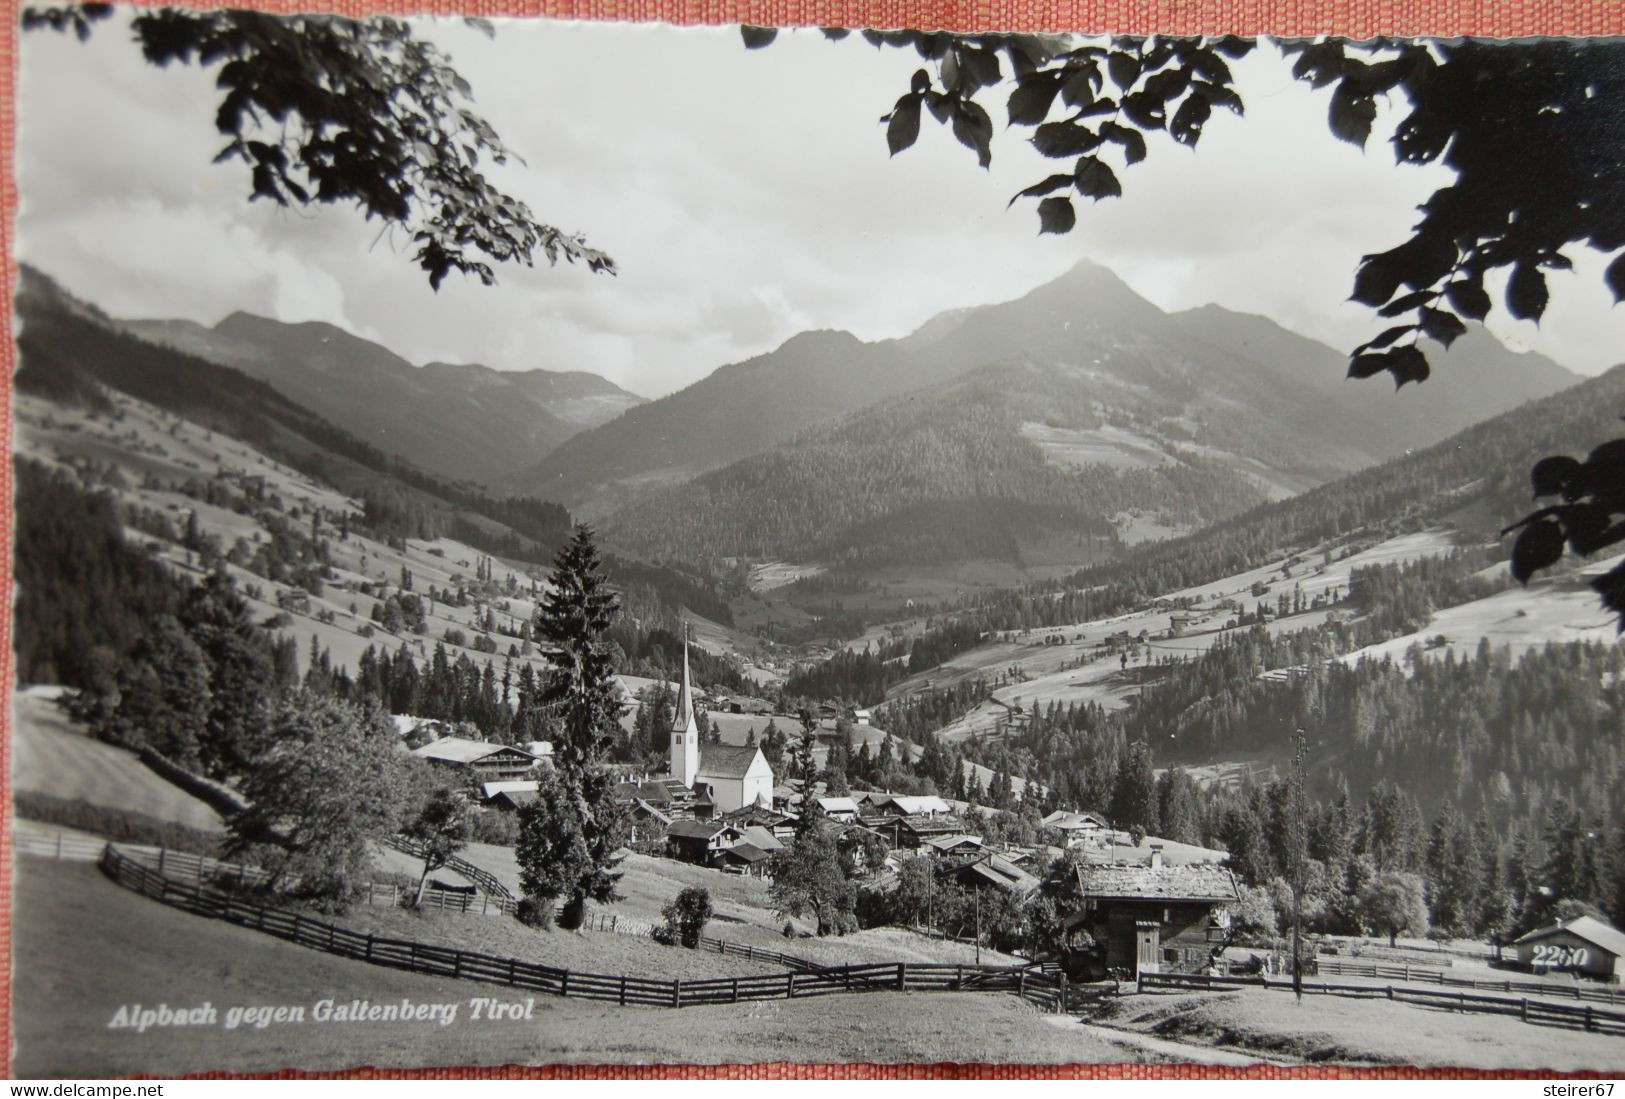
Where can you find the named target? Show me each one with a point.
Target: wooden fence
(1596, 1020)
(1602, 994)
(501, 897)
(60, 847)
(802, 979)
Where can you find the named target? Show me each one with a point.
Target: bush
(535, 913)
(119, 825)
(686, 916)
(494, 827)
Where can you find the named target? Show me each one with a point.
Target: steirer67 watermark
(1579, 1091)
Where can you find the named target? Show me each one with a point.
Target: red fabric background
(1352, 18)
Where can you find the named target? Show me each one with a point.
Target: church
(732, 777)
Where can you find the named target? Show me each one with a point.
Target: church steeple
(685, 731)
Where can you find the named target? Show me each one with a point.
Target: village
(1146, 905)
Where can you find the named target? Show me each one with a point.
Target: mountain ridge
(465, 421)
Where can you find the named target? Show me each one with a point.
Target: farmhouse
(994, 871)
(726, 777)
(485, 761)
(1078, 828)
(898, 805)
(1153, 917)
(841, 809)
(781, 826)
(954, 846)
(911, 832)
(1584, 945)
(702, 842)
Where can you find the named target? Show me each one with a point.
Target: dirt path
(1161, 1047)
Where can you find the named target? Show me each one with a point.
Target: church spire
(685, 731)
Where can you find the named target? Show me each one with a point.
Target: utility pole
(1297, 797)
(978, 926)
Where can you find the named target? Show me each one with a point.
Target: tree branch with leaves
(323, 109)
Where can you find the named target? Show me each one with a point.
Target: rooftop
(1138, 881)
(456, 749)
(726, 760)
(1594, 931)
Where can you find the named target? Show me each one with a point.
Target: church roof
(726, 760)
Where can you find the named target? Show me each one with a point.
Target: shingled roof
(726, 760)
(1191, 882)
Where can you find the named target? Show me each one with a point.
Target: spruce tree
(576, 614)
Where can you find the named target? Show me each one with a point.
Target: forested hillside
(464, 422)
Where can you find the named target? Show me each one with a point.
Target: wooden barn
(1152, 917)
(1584, 945)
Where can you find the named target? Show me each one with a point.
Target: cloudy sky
(745, 196)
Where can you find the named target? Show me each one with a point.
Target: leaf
(1588, 530)
(757, 37)
(1375, 281)
(974, 129)
(1526, 292)
(1320, 64)
(1132, 141)
(1615, 277)
(1188, 121)
(1078, 90)
(904, 128)
(1551, 474)
(1407, 364)
(1123, 68)
(1388, 336)
(1146, 111)
(1406, 302)
(1368, 365)
(1048, 186)
(1442, 327)
(1469, 299)
(1351, 115)
(1611, 586)
(1065, 139)
(982, 65)
(1056, 215)
(920, 82)
(1096, 179)
(1029, 104)
(1540, 546)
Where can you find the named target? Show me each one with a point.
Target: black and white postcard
(546, 542)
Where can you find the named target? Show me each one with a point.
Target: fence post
(369, 946)
(1523, 1009)
(677, 992)
(1590, 1024)
(736, 995)
(902, 976)
(1021, 985)
(160, 860)
(623, 990)
(790, 986)
(1390, 992)
(564, 984)
(1407, 971)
